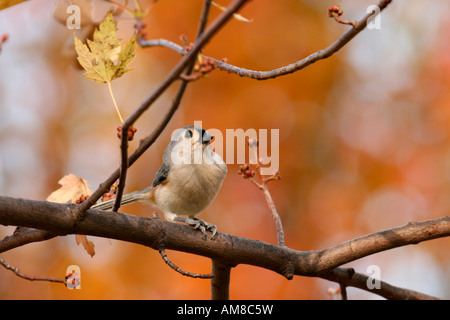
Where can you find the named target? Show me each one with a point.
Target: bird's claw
(204, 226)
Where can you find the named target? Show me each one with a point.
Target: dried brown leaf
(72, 189)
(87, 244)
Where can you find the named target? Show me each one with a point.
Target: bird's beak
(207, 139)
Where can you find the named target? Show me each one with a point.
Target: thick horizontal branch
(291, 68)
(227, 249)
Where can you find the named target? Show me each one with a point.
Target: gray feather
(161, 175)
(136, 196)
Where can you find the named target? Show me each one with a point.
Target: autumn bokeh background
(364, 141)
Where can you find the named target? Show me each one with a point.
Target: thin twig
(249, 174)
(162, 43)
(335, 12)
(203, 17)
(124, 164)
(166, 259)
(17, 272)
(358, 26)
(388, 291)
(273, 210)
(275, 216)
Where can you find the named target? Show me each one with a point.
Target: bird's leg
(199, 224)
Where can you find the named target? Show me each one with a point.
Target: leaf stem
(114, 100)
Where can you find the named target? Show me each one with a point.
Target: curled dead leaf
(87, 244)
(72, 190)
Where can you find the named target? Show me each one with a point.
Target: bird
(187, 182)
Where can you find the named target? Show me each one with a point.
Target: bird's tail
(143, 195)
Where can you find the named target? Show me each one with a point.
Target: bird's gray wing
(161, 175)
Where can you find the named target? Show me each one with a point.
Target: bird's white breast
(190, 188)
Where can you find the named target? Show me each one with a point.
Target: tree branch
(234, 250)
(388, 291)
(25, 236)
(249, 174)
(411, 233)
(291, 68)
(166, 259)
(220, 284)
(17, 272)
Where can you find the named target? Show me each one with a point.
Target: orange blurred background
(364, 141)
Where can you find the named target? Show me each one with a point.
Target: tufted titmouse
(187, 181)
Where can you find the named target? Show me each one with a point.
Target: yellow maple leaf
(103, 58)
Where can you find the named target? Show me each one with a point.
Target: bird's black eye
(188, 134)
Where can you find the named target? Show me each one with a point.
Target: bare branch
(388, 291)
(235, 250)
(343, 290)
(357, 27)
(25, 236)
(220, 284)
(162, 43)
(275, 216)
(335, 12)
(203, 18)
(17, 272)
(411, 233)
(123, 166)
(301, 64)
(166, 259)
(249, 174)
